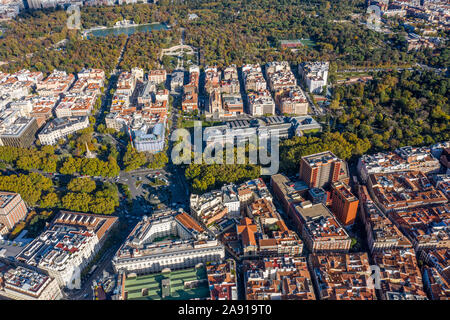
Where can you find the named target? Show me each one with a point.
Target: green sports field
(152, 282)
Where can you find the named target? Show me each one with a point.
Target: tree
(81, 185)
(133, 159)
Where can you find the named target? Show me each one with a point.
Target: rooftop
(177, 280)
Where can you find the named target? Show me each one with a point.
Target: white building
(68, 245)
(261, 103)
(19, 283)
(61, 127)
(167, 240)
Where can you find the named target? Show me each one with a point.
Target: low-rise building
(222, 280)
(12, 210)
(315, 75)
(232, 104)
(16, 130)
(304, 124)
(278, 278)
(399, 272)
(260, 103)
(319, 228)
(381, 232)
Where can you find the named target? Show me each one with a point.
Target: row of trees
(76, 54)
(27, 159)
(85, 196)
(46, 160)
(33, 187)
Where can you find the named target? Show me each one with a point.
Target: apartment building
(75, 105)
(381, 232)
(399, 273)
(157, 76)
(208, 207)
(177, 80)
(436, 273)
(59, 128)
(222, 280)
(342, 276)
(252, 190)
(212, 79)
(279, 76)
(403, 159)
(57, 83)
(403, 190)
(230, 81)
(319, 228)
(38, 107)
(253, 78)
(426, 227)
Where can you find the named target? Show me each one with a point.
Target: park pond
(128, 30)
